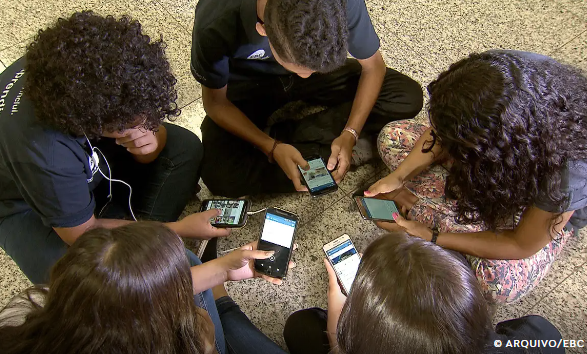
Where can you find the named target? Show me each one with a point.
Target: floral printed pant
(502, 281)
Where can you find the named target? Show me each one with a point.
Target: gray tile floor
(418, 37)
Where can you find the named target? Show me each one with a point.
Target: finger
(274, 281)
(299, 160)
(399, 219)
(220, 232)
(130, 135)
(292, 264)
(405, 212)
(343, 167)
(389, 226)
(139, 142)
(143, 150)
(333, 159)
(256, 254)
(295, 178)
(211, 214)
(295, 246)
(249, 246)
(377, 188)
(331, 273)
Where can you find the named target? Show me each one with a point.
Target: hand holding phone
(278, 236)
(345, 260)
(233, 212)
(376, 208)
(317, 178)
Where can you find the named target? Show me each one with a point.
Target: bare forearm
(70, 234)
(367, 93)
(233, 120)
(486, 244)
(208, 275)
(417, 161)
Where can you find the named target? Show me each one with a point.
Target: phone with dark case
(318, 179)
(277, 235)
(233, 212)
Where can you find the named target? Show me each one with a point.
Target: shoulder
(216, 16)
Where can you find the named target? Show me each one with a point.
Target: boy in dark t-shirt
(254, 56)
(86, 104)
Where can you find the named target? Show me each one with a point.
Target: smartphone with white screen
(277, 235)
(318, 179)
(233, 212)
(345, 260)
(376, 209)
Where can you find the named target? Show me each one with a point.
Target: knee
(185, 144)
(410, 100)
(303, 321)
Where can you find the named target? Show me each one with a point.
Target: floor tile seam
(567, 42)
(174, 17)
(189, 103)
(575, 271)
(309, 221)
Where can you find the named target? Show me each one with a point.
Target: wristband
(435, 233)
(353, 132)
(270, 154)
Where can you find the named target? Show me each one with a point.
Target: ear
(261, 29)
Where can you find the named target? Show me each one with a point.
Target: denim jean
(235, 334)
(161, 189)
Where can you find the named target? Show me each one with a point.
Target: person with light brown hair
(133, 289)
(410, 296)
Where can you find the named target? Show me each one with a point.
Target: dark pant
(233, 329)
(160, 191)
(233, 167)
(305, 332)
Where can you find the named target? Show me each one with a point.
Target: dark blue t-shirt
(40, 168)
(226, 45)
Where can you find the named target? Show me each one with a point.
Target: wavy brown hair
(90, 73)
(411, 296)
(125, 290)
(511, 122)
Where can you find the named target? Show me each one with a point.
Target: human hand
(198, 225)
(387, 184)
(342, 151)
(336, 300)
(289, 158)
(139, 141)
(414, 228)
(240, 264)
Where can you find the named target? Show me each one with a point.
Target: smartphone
(318, 179)
(345, 260)
(234, 211)
(277, 235)
(376, 209)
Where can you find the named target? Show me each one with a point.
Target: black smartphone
(376, 209)
(318, 179)
(277, 235)
(234, 211)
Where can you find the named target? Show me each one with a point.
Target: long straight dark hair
(125, 290)
(411, 296)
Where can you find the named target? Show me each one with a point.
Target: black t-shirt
(40, 168)
(226, 45)
(530, 334)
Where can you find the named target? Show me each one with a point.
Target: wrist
(348, 137)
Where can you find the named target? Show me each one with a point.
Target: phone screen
(317, 177)
(231, 211)
(345, 261)
(379, 208)
(277, 236)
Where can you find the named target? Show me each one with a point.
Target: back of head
(411, 296)
(308, 33)
(123, 290)
(90, 74)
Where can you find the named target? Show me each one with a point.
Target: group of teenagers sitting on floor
(498, 179)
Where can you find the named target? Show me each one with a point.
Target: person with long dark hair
(133, 289)
(501, 172)
(411, 297)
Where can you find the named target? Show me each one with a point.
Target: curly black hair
(90, 74)
(511, 122)
(309, 33)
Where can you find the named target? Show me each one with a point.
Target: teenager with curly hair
(411, 297)
(511, 131)
(254, 56)
(86, 103)
(135, 289)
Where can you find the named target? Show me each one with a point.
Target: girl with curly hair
(501, 172)
(84, 106)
